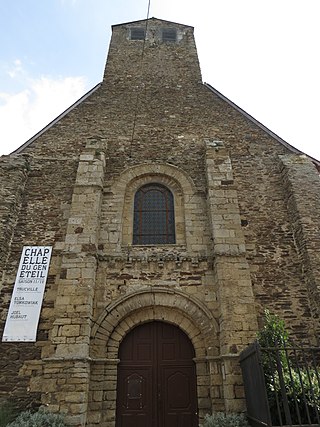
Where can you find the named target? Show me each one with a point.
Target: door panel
(179, 409)
(156, 378)
(134, 385)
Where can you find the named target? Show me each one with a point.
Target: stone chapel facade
(175, 219)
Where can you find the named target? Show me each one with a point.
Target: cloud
(25, 113)
(16, 69)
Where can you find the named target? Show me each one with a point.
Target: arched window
(153, 221)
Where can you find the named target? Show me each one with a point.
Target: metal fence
(282, 385)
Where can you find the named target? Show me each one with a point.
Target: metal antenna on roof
(141, 65)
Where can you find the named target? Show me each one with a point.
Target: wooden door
(156, 378)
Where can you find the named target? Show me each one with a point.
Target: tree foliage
(287, 377)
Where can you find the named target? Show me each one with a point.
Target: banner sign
(26, 301)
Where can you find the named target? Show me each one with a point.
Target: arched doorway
(156, 378)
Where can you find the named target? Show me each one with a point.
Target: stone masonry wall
(39, 201)
(13, 175)
(302, 185)
(279, 282)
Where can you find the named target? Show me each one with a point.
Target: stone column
(237, 317)
(102, 393)
(68, 370)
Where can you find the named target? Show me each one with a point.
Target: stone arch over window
(153, 215)
(167, 176)
(190, 206)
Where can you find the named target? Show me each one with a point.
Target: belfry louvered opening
(169, 35)
(137, 33)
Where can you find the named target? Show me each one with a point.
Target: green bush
(225, 420)
(7, 413)
(302, 389)
(274, 331)
(301, 385)
(38, 419)
(272, 339)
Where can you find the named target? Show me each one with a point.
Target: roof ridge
(148, 19)
(54, 121)
(259, 124)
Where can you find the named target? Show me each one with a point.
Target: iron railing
(282, 385)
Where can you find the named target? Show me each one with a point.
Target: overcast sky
(261, 54)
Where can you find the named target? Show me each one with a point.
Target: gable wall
(152, 119)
